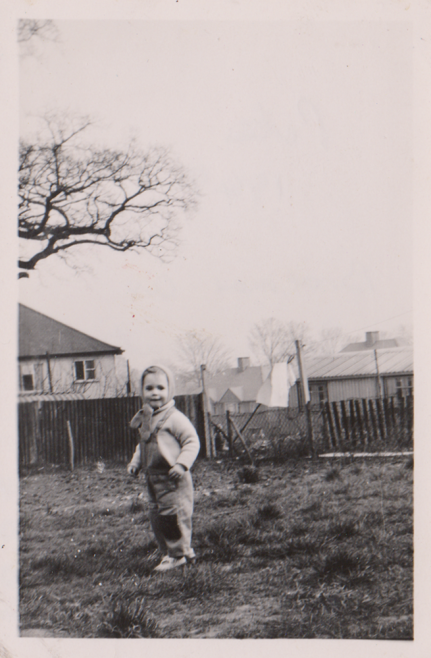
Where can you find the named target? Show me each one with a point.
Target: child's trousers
(171, 509)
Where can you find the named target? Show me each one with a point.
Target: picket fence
(373, 425)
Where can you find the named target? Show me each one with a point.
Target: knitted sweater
(177, 440)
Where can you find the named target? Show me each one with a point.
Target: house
(55, 358)
(374, 342)
(234, 389)
(350, 375)
(353, 375)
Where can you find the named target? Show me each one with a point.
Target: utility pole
(208, 442)
(379, 381)
(128, 386)
(305, 396)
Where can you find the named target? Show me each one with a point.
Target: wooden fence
(99, 429)
(351, 425)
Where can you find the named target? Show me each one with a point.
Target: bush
(128, 620)
(339, 562)
(248, 475)
(332, 474)
(269, 511)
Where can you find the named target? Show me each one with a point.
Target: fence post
(388, 418)
(36, 434)
(402, 417)
(326, 428)
(381, 418)
(367, 423)
(373, 417)
(229, 433)
(358, 410)
(353, 422)
(345, 421)
(410, 417)
(338, 423)
(208, 442)
(305, 395)
(71, 446)
(241, 438)
(332, 425)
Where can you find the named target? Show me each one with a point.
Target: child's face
(155, 391)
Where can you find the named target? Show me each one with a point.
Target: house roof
(384, 343)
(233, 394)
(243, 383)
(357, 364)
(39, 334)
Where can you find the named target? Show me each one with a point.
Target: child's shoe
(168, 563)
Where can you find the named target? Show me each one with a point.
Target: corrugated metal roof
(356, 364)
(383, 343)
(39, 334)
(245, 384)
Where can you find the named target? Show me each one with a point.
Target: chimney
(371, 338)
(243, 363)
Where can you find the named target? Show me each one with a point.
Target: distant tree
(406, 332)
(196, 348)
(331, 341)
(273, 341)
(72, 194)
(29, 28)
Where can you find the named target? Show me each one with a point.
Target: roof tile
(39, 334)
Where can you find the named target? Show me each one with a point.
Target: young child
(168, 448)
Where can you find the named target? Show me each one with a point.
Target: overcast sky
(299, 138)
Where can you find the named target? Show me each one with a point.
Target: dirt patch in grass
(305, 550)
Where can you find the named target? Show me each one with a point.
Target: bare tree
(196, 348)
(72, 194)
(406, 332)
(273, 341)
(29, 28)
(331, 341)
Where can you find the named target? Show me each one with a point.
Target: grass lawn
(310, 550)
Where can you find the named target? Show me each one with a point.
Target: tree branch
(72, 194)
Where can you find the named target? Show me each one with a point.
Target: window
(404, 387)
(399, 388)
(410, 386)
(90, 370)
(318, 393)
(85, 370)
(27, 383)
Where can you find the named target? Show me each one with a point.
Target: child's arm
(185, 434)
(134, 466)
(137, 419)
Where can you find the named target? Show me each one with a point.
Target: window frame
(87, 370)
(25, 377)
(317, 390)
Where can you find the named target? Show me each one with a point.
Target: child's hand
(136, 421)
(132, 470)
(177, 471)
